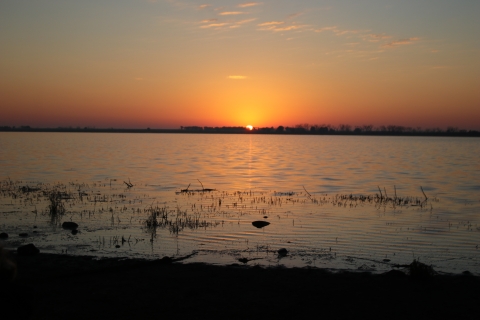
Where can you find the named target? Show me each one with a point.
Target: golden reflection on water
(255, 177)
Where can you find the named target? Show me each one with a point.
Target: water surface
(301, 184)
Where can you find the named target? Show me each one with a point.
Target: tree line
(306, 129)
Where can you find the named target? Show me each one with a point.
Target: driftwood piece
(129, 184)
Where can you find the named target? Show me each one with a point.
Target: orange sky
(166, 64)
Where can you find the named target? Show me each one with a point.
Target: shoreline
(114, 288)
(215, 131)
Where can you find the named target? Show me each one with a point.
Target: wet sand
(72, 287)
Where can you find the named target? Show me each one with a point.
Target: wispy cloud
(344, 32)
(245, 21)
(204, 6)
(401, 42)
(277, 26)
(249, 4)
(338, 31)
(287, 28)
(231, 13)
(270, 23)
(237, 77)
(376, 37)
(214, 25)
(294, 15)
(326, 29)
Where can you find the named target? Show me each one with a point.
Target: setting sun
(249, 127)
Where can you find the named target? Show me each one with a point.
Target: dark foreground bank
(66, 287)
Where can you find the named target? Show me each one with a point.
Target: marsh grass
(420, 270)
(56, 208)
(175, 220)
(193, 209)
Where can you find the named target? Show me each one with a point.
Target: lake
(337, 202)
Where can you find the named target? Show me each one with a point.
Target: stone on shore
(28, 250)
(69, 225)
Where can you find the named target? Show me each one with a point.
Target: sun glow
(249, 127)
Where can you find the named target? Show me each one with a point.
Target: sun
(249, 127)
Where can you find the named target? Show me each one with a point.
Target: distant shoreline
(237, 130)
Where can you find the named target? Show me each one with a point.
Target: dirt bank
(68, 287)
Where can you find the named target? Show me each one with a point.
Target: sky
(172, 63)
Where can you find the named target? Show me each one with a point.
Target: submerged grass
(56, 208)
(176, 220)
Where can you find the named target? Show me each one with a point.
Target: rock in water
(69, 225)
(3, 236)
(260, 224)
(28, 250)
(24, 234)
(282, 252)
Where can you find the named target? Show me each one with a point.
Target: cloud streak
(231, 13)
(270, 23)
(277, 26)
(401, 42)
(214, 25)
(376, 37)
(326, 29)
(249, 4)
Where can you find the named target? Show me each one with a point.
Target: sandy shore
(71, 287)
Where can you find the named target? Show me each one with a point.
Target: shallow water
(295, 181)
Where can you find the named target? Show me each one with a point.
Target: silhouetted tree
(367, 127)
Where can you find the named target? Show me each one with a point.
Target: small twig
(186, 190)
(307, 192)
(129, 184)
(426, 198)
(201, 184)
(381, 195)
